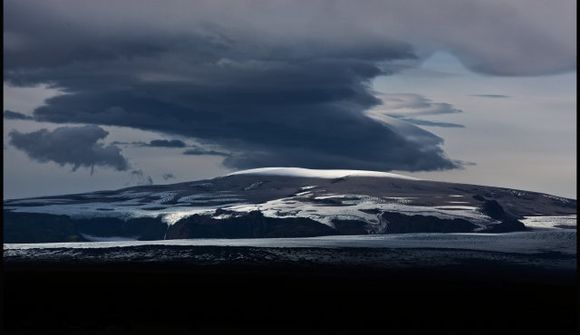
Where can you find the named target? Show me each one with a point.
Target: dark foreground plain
(464, 290)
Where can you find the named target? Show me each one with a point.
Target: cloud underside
(332, 134)
(199, 151)
(11, 115)
(166, 143)
(267, 90)
(74, 146)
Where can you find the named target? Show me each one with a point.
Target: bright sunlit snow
(316, 173)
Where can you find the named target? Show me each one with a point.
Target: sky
(105, 95)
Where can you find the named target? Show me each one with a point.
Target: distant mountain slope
(278, 202)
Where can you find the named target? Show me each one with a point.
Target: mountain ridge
(280, 202)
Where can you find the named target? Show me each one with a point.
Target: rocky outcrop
(507, 221)
(43, 228)
(140, 228)
(247, 225)
(350, 227)
(38, 228)
(397, 223)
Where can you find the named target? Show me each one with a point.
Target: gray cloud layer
(77, 146)
(197, 151)
(276, 83)
(427, 123)
(498, 96)
(167, 143)
(518, 37)
(138, 177)
(194, 150)
(167, 176)
(10, 115)
(406, 107)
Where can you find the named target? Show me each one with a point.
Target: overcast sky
(103, 95)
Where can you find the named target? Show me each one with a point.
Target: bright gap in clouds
(519, 131)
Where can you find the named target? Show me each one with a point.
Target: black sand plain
(262, 289)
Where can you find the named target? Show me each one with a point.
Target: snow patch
(317, 173)
(172, 218)
(550, 222)
(358, 209)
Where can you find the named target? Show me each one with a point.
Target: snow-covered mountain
(283, 202)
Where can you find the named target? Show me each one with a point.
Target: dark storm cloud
(518, 37)
(167, 143)
(77, 146)
(272, 82)
(10, 115)
(162, 143)
(198, 151)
